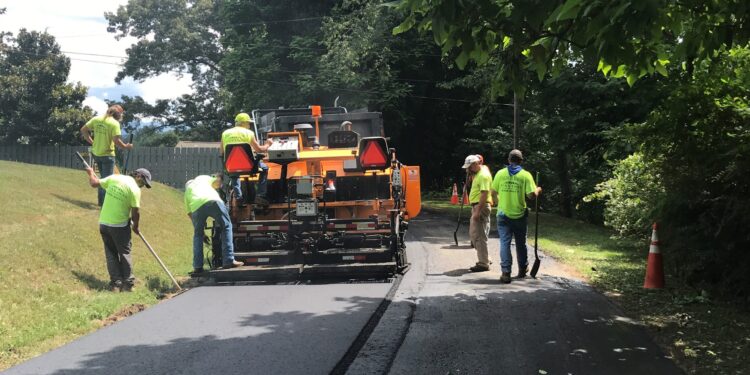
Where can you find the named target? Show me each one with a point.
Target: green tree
(623, 38)
(181, 37)
(701, 132)
(36, 104)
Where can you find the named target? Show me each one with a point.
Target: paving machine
(338, 200)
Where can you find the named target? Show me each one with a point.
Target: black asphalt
(280, 329)
(442, 320)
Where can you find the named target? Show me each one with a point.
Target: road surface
(441, 320)
(445, 320)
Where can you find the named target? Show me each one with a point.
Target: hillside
(53, 277)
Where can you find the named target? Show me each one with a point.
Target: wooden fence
(168, 165)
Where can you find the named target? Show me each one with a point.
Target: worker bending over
(203, 201)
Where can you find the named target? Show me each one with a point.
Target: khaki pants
(479, 231)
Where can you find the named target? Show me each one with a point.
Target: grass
(53, 277)
(703, 336)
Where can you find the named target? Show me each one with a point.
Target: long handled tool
(127, 157)
(83, 160)
(458, 224)
(537, 262)
(160, 262)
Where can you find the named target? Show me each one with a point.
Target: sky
(80, 28)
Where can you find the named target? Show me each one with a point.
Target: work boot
(233, 264)
(505, 278)
(127, 286)
(522, 272)
(479, 268)
(115, 286)
(197, 272)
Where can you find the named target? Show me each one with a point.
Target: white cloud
(165, 85)
(80, 26)
(99, 106)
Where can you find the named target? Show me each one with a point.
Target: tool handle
(127, 157)
(536, 218)
(164, 267)
(461, 208)
(83, 160)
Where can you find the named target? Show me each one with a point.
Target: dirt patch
(122, 314)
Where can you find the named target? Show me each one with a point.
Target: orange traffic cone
(655, 268)
(454, 197)
(466, 198)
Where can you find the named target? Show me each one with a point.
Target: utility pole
(515, 121)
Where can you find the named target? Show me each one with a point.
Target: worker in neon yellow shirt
(510, 188)
(201, 202)
(479, 197)
(239, 134)
(121, 205)
(106, 134)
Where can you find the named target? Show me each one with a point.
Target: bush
(631, 196)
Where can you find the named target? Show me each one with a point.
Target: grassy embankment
(703, 336)
(53, 279)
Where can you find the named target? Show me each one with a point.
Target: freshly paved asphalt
(280, 329)
(442, 320)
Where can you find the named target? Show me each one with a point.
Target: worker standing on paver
(121, 207)
(203, 201)
(510, 188)
(239, 134)
(106, 134)
(479, 197)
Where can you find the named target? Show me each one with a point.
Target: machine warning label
(413, 175)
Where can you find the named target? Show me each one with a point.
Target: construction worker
(479, 197)
(203, 201)
(106, 135)
(510, 188)
(121, 208)
(346, 126)
(239, 134)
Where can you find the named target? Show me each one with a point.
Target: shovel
(458, 224)
(535, 267)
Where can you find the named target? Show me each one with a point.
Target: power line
(276, 21)
(278, 70)
(369, 92)
(92, 54)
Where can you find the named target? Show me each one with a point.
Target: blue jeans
(106, 168)
(507, 229)
(218, 212)
(262, 182)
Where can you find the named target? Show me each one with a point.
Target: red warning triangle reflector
(238, 160)
(373, 156)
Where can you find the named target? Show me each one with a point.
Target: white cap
(471, 159)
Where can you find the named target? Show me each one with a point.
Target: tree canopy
(622, 38)
(36, 104)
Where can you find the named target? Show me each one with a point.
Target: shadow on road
(213, 336)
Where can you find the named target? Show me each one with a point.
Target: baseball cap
(470, 160)
(242, 117)
(515, 156)
(146, 175)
